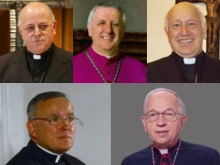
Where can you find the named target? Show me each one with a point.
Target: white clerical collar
(189, 61)
(49, 152)
(163, 151)
(36, 57)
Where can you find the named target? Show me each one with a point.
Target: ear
(144, 123)
(89, 29)
(54, 26)
(166, 31)
(32, 128)
(183, 121)
(20, 30)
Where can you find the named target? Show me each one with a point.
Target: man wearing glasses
(39, 60)
(51, 126)
(163, 119)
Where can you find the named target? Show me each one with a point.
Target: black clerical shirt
(38, 67)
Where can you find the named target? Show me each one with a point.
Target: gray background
(135, 10)
(92, 104)
(128, 136)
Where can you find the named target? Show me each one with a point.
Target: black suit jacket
(33, 155)
(14, 69)
(166, 70)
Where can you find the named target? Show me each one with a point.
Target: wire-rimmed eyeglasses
(168, 115)
(58, 120)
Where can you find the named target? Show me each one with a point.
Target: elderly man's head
(106, 26)
(185, 28)
(164, 117)
(51, 121)
(37, 26)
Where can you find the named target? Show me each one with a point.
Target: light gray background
(135, 10)
(202, 108)
(91, 103)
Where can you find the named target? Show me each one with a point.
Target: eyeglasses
(31, 28)
(168, 115)
(58, 120)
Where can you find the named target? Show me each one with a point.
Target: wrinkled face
(163, 133)
(185, 31)
(106, 30)
(37, 29)
(55, 138)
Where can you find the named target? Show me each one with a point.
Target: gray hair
(181, 106)
(107, 4)
(20, 14)
(202, 17)
(33, 104)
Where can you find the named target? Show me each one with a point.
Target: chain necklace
(174, 157)
(99, 72)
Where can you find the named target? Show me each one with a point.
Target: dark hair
(32, 105)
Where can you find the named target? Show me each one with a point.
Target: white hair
(181, 106)
(107, 4)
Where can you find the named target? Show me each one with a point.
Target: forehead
(107, 13)
(35, 15)
(184, 13)
(57, 106)
(161, 101)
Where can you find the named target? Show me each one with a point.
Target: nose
(108, 28)
(36, 30)
(184, 30)
(161, 121)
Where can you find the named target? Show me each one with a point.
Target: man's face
(55, 138)
(185, 31)
(37, 29)
(106, 30)
(163, 133)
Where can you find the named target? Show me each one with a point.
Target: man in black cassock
(185, 28)
(51, 125)
(39, 61)
(163, 119)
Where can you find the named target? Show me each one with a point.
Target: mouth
(162, 133)
(107, 38)
(185, 40)
(65, 136)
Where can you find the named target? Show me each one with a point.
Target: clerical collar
(38, 64)
(42, 56)
(58, 156)
(189, 61)
(36, 56)
(167, 150)
(105, 55)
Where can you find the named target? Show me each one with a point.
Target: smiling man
(39, 60)
(163, 119)
(185, 28)
(51, 127)
(102, 61)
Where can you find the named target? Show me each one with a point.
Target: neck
(104, 53)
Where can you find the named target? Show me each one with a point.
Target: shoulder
(63, 53)
(140, 157)
(12, 55)
(200, 150)
(161, 62)
(73, 159)
(22, 158)
(79, 57)
(132, 63)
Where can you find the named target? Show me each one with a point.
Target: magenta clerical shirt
(131, 70)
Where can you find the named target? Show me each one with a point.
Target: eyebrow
(161, 112)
